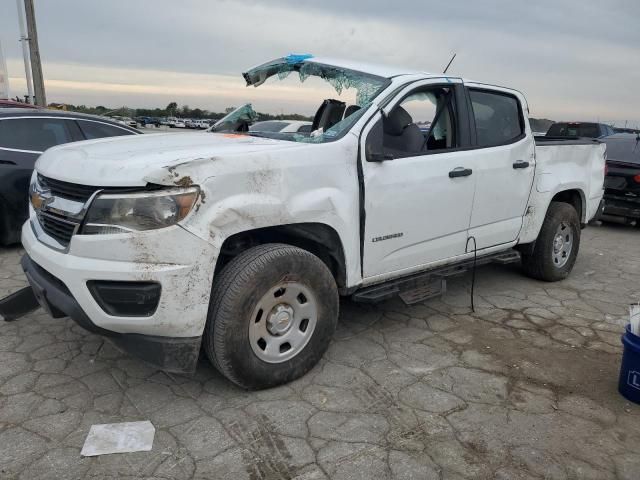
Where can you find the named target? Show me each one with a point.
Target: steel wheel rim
(562, 245)
(283, 322)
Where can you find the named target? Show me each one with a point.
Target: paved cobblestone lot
(523, 388)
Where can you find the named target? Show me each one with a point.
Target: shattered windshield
(322, 101)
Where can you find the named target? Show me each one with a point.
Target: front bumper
(170, 337)
(167, 353)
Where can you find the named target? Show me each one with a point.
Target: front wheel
(557, 245)
(272, 314)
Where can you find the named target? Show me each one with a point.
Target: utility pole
(25, 51)
(36, 65)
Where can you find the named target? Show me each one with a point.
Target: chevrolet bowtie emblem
(40, 200)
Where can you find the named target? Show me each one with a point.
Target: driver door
(418, 180)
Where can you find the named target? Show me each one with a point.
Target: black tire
(236, 292)
(540, 264)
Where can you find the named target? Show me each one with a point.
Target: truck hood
(131, 161)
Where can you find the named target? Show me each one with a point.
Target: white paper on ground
(119, 438)
(634, 318)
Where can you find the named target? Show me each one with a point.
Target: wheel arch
(574, 197)
(537, 212)
(318, 238)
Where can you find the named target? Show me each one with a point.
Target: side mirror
(374, 148)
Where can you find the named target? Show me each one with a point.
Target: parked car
(200, 124)
(126, 121)
(178, 123)
(579, 129)
(24, 135)
(622, 183)
(148, 121)
(242, 242)
(283, 126)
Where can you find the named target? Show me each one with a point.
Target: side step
(428, 284)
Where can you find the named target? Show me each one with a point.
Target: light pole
(34, 50)
(25, 51)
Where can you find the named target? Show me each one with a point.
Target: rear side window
(93, 130)
(36, 134)
(498, 117)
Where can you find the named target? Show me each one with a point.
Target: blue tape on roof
(293, 59)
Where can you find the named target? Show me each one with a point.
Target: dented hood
(139, 159)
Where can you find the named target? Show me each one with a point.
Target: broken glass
(238, 120)
(366, 85)
(333, 121)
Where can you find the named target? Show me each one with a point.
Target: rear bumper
(173, 354)
(621, 207)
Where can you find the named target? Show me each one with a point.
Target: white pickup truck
(241, 242)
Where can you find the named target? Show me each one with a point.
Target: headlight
(127, 212)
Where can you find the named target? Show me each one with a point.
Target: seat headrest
(351, 109)
(396, 122)
(329, 113)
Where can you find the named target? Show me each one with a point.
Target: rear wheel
(273, 311)
(557, 245)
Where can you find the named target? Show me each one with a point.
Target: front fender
(315, 185)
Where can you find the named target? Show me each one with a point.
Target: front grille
(71, 191)
(57, 227)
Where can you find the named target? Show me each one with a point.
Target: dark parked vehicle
(24, 135)
(144, 121)
(579, 129)
(622, 182)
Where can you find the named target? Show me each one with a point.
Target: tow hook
(18, 304)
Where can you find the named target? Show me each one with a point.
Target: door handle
(460, 172)
(521, 164)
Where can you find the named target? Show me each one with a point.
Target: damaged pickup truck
(240, 242)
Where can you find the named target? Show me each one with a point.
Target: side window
(498, 117)
(100, 130)
(423, 122)
(36, 134)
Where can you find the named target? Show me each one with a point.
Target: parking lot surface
(525, 387)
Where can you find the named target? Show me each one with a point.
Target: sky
(573, 59)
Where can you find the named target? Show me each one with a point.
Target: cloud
(573, 59)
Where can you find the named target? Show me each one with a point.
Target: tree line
(171, 110)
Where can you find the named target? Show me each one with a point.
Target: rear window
(498, 117)
(36, 134)
(589, 130)
(101, 130)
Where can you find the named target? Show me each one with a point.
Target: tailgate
(622, 178)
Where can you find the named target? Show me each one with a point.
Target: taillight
(606, 169)
(636, 179)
